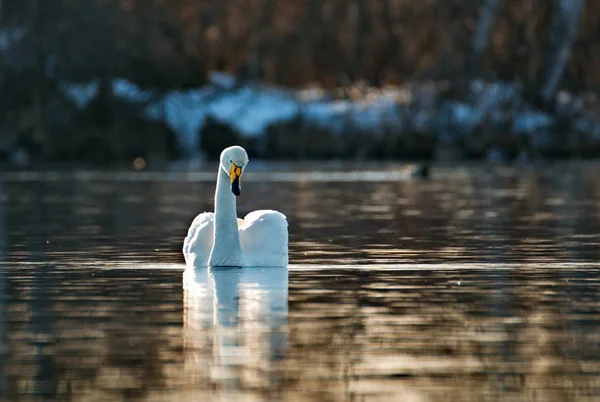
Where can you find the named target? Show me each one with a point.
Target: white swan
(220, 239)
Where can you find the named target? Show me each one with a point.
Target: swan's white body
(221, 239)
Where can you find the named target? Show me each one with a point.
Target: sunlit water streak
(479, 284)
(429, 331)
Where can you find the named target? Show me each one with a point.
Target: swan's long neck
(226, 249)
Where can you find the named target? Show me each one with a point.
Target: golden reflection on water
(463, 333)
(479, 284)
(235, 327)
(330, 333)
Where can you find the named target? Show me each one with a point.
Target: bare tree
(39, 89)
(563, 30)
(394, 50)
(362, 20)
(488, 13)
(259, 42)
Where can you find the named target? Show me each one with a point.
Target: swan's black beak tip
(235, 187)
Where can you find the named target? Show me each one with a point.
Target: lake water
(479, 284)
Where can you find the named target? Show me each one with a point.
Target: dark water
(480, 284)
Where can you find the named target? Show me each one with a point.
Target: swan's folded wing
(264, 238)
(199, 240)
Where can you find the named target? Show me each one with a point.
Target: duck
(221, 239)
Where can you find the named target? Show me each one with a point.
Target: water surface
(478, 284)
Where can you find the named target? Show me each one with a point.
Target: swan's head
(233, 162)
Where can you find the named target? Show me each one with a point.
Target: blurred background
(478, 283)
(100, 82)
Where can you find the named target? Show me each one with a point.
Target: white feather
(199, 240)
(222, 239)
(263, 237)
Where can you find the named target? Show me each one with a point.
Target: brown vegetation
(174, 44)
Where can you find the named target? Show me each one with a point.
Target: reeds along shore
(541, 47)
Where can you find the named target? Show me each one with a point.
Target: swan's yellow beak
(235, 173)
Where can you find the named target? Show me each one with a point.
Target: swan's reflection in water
(235, 332)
